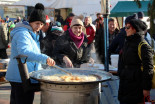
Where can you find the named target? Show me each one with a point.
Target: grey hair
(89, 18)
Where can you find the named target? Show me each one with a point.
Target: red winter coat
(67, 24)
(90, 33)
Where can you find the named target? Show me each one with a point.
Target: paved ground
(5, 91)
(5, 94)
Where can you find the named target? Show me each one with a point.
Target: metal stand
(106, 5)
(100, 91)
(106, 42)
(23, 70)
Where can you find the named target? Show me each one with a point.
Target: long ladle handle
(57, 67)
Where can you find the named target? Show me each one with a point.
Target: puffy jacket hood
(21, 26)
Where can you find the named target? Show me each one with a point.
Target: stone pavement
(5, 94)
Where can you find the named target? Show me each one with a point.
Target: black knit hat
(71, 15)
(38, 14)
(138, 25)
(129, 18)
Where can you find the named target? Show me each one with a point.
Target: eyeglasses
(127, 27)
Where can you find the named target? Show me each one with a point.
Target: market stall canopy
(8, 1)
(72, 3)
(64, 4)
(57, 3)
(126, 8)
(46, 3)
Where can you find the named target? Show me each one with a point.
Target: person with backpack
(135, 84)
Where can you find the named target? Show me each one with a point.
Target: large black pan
(100, 74)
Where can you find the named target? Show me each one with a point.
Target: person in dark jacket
(99, 39)
(7, 19)
(43, 32)
(112, 28)
(3, 40)
(140, 15)
(98, 15)
(60, 19)
(118, 42)
(70, 48)
(51, 37)
(67, 22)
(135, 84)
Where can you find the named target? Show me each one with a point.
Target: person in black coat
(49, 41)
(118, 42)
(99, 40)
(70, 48)
(135, 84)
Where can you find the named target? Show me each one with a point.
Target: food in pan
(78, 78)
(67, 78)
(71, 78)
(52, 78)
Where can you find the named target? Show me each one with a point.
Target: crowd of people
(69, 43)
(6, 26)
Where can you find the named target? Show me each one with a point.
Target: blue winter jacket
(24, 42)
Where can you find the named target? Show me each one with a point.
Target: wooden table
(2, 78)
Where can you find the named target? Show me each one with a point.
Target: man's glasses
(127, 27)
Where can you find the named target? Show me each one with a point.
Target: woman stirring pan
(25, 41)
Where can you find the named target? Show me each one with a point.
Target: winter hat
(77, 20)
(38, 14)
(56, 28)
(71, 15)
(138, 25)
(140, 14)
(58, 24)
(47, 19)
(129, 18)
